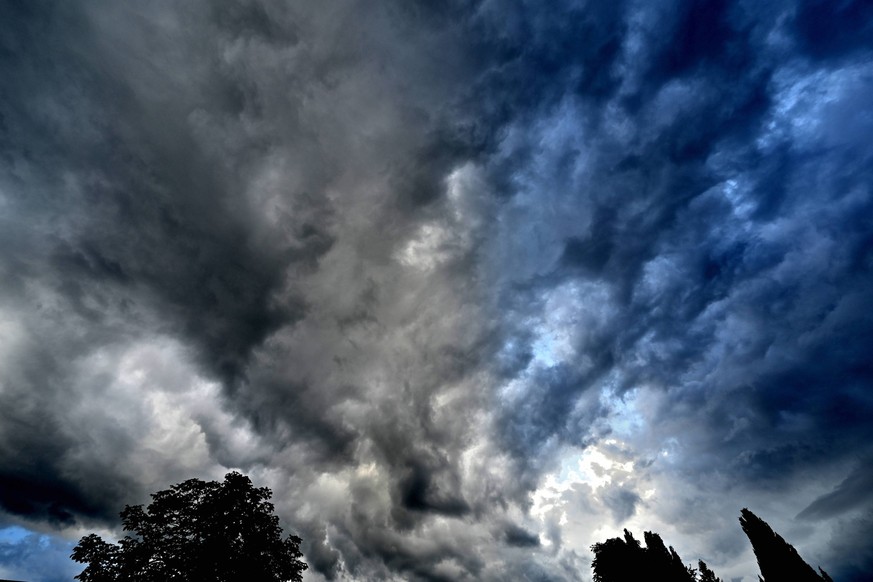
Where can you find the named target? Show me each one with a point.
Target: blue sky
(470, 286)
(28, 555)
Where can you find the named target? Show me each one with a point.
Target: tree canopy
(620, 560)
(197, 531)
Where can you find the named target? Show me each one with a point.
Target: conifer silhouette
(777, 559)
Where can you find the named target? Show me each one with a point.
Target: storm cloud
(469, 285)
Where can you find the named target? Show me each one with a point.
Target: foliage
(618, 560)
(705, 574)
(197, 531)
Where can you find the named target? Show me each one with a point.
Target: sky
(470, 285)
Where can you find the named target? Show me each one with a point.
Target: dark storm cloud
(854, 491)
(175, 174)
(714, 209)
(852, 555)
(395, 260)
(622, 503)
(520, 537)
(537, 415)
(417, 493)
(111, 205)
(658, 198)
(826, 30)
(112, 175)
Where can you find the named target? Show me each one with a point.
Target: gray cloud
(466, 286)
(852, 492)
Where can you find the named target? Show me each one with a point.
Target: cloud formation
(469, 286)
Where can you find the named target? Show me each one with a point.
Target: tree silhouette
(624, 560)
(777, 559)
(706, 575)
(617, 559)
(197, 531)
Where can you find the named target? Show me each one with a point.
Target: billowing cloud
(470, 286)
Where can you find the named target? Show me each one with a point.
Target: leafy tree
(706, 575)
(623, 560)
(197, 531)
(618, 559)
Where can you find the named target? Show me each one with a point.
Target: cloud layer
(470, 287)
